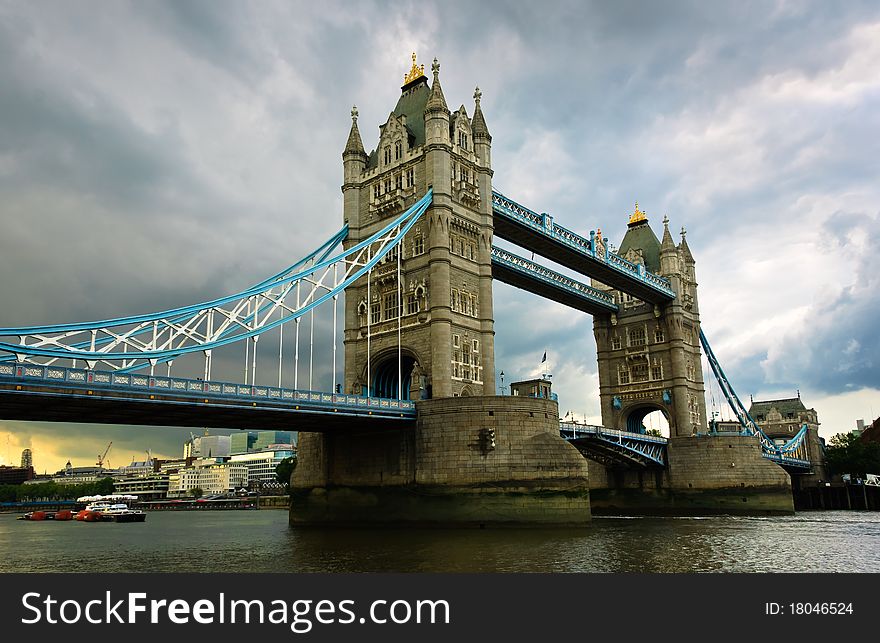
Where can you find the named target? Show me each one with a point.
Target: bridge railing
(87, 379)
(587, 430)
(543, 223)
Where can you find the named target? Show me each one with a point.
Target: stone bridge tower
(649, 356)
(445, 311)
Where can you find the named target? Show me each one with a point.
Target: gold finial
(637, 215)
(416, 72)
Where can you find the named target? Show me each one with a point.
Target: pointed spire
(667, 243)
(478, 124)
(354, 144)
(683, 246)
(436, 100)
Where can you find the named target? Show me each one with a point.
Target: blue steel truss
(528, 275)
(131, 343)
(793, 454)
(635, 278)
(75, 382)
(609, 446)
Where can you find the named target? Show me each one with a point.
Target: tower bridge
(411, 428)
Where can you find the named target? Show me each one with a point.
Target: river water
(262, 541)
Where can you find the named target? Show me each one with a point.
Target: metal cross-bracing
(611, 447)
(534, 278)
(793, 455)
(538, 233)
(130, 344)
(55, 393)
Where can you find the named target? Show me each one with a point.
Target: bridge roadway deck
(540, 235)
(31, 393)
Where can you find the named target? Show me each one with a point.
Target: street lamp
(502, 382)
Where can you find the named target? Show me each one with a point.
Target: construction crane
(103, 456)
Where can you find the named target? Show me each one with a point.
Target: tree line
(54, 491)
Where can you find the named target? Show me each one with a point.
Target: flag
(544, 359)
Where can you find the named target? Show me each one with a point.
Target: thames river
(262, 541)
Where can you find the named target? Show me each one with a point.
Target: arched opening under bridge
(648, 419)
(385, 378)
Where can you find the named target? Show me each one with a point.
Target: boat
(63, 514)
(110, 508)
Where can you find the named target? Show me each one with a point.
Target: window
(398, 181)
(622, 374)
(377, 190)
(466, 359)
(412, 304)
(637, 337)
(690, 370)
(397, 150)
(659, 337)
(615, 343)
(387, 185)
(657, 370)
(375, 313)
(392, 305)
(456, 340)
(463, 140)
(387, 154)
(418, 245)
(471, 251)
(640, 373)
(410, 177)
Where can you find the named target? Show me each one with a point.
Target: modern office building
(261, 465)
(209, 475)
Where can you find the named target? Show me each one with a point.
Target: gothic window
(690, 370)
(377, 190)
(615, 343)
(622, 374)
(398, 181)
(397, 150)
(387, 185)
(391, 255)
(657, 370)
(412, 304)
(453, 300)
(640, 373)
(456, 341)
(471, 251)
(418, 245)
(637, 337)
(387, 154)
(463, 140)
(659, 338)
(453, 171)
(375, 313)
(392, 305)
(410, 177)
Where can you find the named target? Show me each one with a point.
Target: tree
(196, 492)
(285, 469)
(846, 453)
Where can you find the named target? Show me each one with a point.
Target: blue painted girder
(511, 269)
(539, 234)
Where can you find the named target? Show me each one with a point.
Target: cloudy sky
(158, 154)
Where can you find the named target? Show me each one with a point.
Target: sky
(158, 154)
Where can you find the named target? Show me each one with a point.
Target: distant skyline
(163, 153)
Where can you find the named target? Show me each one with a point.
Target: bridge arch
(633, 418)
(384, 377)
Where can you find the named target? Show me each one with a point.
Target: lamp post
(502, 382)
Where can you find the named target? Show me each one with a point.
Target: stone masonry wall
(527, 442)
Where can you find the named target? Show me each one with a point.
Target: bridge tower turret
(445, 307)
(649, 356)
